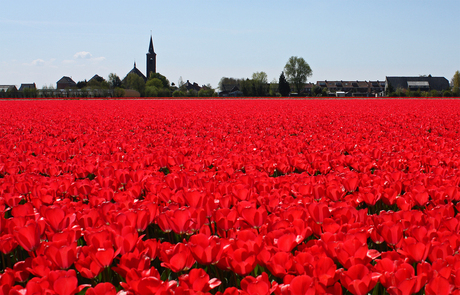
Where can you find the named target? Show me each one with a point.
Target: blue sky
(203, 41)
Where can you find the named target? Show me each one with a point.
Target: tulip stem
(3, 262)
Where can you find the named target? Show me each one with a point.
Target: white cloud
(83, 55)
(38, 62)
(101, 58)
(68, 61)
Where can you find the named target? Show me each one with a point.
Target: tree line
(291, 81)
(292, 78)
(157, 85)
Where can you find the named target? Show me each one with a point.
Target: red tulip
(7, 243)
(57, 219)
(86, 265)
(61, 254)
(399, 277)
(206, 250)
(260, 285)
(358, 279)
(28, 237)
(391, 232)
(415, 251)
(102, 289)
(281, 264)
(129, 261)
(302, 285)
(325, 271)
(198, 280)
(353, 251)
(439, 286)
(176, 257)
(241, 260)
(64, 282)
(103, 257)
(255, 217)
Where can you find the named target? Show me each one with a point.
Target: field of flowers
(230, 197)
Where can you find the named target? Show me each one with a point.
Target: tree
(316, 90)
(181, 84)
(154, 82)
(162, 78)
(273, 87)
(133, 81)
(456, 80)
(247, 87)
(390, 89)
(114, 80)
(82, 84)
(226, 83)
(283, 85)
(259, 83)
(151, 91)
(98, 83)
(206, 92)
(297, 71)
(118, 92)
(456, 84)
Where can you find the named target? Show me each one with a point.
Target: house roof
(342, 84)
(27, 86)
(97, 78)
(436, 83)
(230, 88)
(194, 86)
(136, 71)
(377, 83)
(66, 80)
(7, 87)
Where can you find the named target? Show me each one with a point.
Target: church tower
(151, 60)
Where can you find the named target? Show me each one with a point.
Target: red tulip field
(230, 197)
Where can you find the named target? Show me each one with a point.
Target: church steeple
(151, 46)
(151, 59)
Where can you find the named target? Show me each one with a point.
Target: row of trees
(156, 85)
(399, 92)
(295, 75)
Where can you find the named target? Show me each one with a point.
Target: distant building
(27, 86)
(353, 88)
(417, 83)
(151, 60)
(136, 71)
(96, 78)
(308, 88)
(190, 86)
(8, 91)
(6, 88)
(65, 82)
(230, 90)
(151, 64)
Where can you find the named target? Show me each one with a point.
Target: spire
(134, 64)
(151, 45)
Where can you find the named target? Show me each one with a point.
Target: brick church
(151, 63)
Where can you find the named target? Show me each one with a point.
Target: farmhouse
(416, 83)
(5, 88)
(27, 86)
(65, 82)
